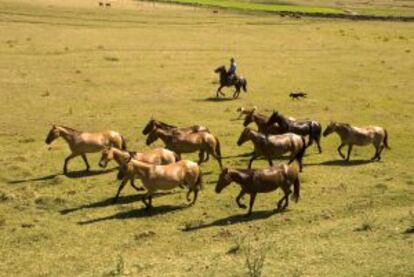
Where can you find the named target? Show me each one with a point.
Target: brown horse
(81, 143)
(157, 156)
(238, 82)
(262, 181)
(306, 127)
(153, 123)
(350, 136)
(163, 177)
(274, 146)
(261, 122)
(188, 142)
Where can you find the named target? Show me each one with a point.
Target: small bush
(254, 259)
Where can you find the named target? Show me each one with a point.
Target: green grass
(76, 64)
(263, 7)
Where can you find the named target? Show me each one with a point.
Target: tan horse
(262, 181)
(274, 146)
(245, 111)
(163, 177)
(81, 143)
(157, 156)
(261, 122)
(350, 136)
(188, 143)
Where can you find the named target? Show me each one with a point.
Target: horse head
(149, 127)
(152, 136)
(223, 181)
(248, 119)
(244, 136)
(220, 69)
(53, 134)
(330, 128)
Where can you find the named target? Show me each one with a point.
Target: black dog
(297, 95)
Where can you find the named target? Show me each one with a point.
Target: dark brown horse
(261, 122)
(310, 128)
(237, 82)
(274, 146)
(262, 181)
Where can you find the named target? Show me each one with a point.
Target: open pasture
(93, 68)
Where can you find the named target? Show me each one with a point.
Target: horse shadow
(215, 99)
(72, 174)
(234, 219)
(243, 155)
(109, 202)
(137, 213)
(341, 163)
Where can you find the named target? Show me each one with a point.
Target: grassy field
(399, 8)
(93, 68)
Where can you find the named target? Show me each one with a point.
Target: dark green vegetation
(90, 68)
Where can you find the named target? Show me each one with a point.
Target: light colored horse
(157, 156)
(245, 111)
(163, 177)
(350, 136)
(81, 143)
(262, 181)
(188, 143)
(274, 146)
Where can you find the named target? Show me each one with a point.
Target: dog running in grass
(297, 95)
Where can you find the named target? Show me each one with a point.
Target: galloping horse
(238, 83)
(81, 143)
(162, 177)
(261, 122)
(153, 123)
(307, 127)
(350, 136)
(274, 146)
(188, 143)
(157, 156)
(262, 181)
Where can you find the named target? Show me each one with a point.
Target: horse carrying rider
(231, 73)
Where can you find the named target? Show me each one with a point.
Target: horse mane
(69, 128)
(344, 124)
(166, 124)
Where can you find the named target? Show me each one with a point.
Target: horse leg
(287, 192)
(195, 197)
(349, 152)
(339, 150)
(252, 198)
(241, 205)
(318, 143)
(219, 91)
(65, 165)
(123, 183)
(379, 152)
(270, 161)
(251, 160)
(200, 156)
(86, 161)
(134, 186)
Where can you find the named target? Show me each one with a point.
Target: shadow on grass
(109, 202)
(341, 163)
(239, 218)
(249, 154)
(215, 99)
(73, 174)
(134, 214)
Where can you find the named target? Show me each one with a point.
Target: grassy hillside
(94, 68)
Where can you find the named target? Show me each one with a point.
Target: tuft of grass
(119, 268)
(255, 257)
(368, 222)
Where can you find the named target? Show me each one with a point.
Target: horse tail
(123, 143)
(244, 85)
(386, 139)
(199, 181)
(296, 189)
(218, 149)
(301, 153)
(310, 134)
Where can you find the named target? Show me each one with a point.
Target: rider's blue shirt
(232, 69)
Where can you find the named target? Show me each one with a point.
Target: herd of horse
(164, 168)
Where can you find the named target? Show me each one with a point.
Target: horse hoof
(242, 206)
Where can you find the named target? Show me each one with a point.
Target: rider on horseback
(231, 73)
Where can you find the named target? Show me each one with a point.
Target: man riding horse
(231, 73)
